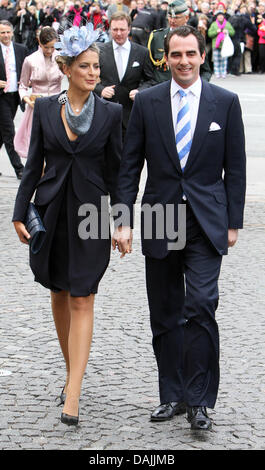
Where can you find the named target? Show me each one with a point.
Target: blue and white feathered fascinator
(76, 40)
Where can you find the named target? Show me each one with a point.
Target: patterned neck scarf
(80, 124)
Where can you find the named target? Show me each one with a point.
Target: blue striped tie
(183, 131)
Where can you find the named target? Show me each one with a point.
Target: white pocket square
(214, 127)
(135, 64)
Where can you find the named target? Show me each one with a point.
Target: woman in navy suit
(76, 136)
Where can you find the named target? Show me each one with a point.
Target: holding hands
(122, 239)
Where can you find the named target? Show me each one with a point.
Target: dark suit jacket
(136, 76)
(214, 176)
(20, 54)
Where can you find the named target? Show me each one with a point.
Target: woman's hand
(122, 239)
(29, 102)
(23, 234)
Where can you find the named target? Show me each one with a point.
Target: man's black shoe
(168, 411)
(198, 418)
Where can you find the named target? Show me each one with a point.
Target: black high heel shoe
(69, 420)
(62, 397)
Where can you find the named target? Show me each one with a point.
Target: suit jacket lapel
(2, 66)
(56, 123)
(18, 57)
(163, 116)
(206, 111)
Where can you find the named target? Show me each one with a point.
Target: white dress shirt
(13, 70)
(193, 98)
(125, 52)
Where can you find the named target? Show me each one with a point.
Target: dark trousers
(8, 108)
(182, 293)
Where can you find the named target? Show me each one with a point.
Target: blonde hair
(68, 60)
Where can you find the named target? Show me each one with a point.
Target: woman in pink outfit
(40, 72)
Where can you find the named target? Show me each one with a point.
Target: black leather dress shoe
(198, 418)
(168, 411)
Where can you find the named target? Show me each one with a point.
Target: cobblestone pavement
(120, 386)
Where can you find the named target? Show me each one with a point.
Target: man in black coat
(125, 68)
(196, 164)
(12, 56)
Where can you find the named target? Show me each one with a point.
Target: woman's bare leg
(62, 316)
(79, 343)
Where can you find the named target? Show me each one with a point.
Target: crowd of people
(243, 20)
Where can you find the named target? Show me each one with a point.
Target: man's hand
(2, 84)
(232, 236)
(122, 239)
(108, 92)
(132, 94)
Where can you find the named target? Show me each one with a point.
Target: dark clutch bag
(35, 227)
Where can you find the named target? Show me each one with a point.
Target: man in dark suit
(12, 56)
(125, 67)
(196, 165)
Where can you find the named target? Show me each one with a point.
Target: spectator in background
(238, 24)
(118, 5)
(40, 76)
(261, 35)
(241, 23)
(76, 16)
(6, 10)
(21, 22)
(39, 11)
(160, 14)
(193, 18)
(49, 14)
(143, 22)
(249, 35)
(255, 19)
(98, 17)
(60, 9)
(217, 31)
(12, 56)
(213, 7)
(205, 11)
(32, 41)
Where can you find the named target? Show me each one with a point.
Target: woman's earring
(69, 76)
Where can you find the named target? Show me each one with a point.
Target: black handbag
(35, 227)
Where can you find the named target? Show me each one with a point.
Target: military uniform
(156, 53)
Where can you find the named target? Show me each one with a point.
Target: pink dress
(43, 76)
